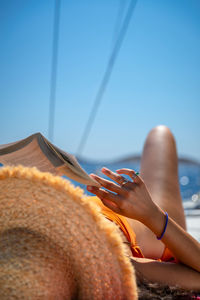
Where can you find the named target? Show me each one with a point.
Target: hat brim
(56, 245)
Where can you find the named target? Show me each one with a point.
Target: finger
(114, 176)
(134, 175)
(109, 185)
(129, 185)
(110, 200)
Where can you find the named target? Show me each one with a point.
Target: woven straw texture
(55, 245)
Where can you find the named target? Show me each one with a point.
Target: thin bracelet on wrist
(163, 232)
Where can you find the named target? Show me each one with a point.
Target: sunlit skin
(144, 205)
(124, 199)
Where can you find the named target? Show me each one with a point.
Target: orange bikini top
(122, 223)
(128, 231)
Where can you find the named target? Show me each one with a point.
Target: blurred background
(95, 76)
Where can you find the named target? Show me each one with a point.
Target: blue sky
(156, 78)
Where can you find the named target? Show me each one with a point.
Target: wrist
(165, 227)
(156, 220)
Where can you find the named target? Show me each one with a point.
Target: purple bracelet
(166, 222)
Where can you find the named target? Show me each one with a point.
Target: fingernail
(104, 169)
(137, 173)
(94, 176)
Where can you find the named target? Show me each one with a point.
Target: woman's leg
(159, 170)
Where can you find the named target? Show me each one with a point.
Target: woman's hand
(128, 198)
(132, 199)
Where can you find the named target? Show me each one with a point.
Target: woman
(153, 207)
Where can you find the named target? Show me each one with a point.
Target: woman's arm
(185, 248)
(133, 200)
(167, 273)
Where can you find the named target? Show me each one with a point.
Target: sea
(189, 179)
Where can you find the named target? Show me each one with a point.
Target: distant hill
(189, 161)
(136, 158)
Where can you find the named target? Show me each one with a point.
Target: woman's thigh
(159, 170)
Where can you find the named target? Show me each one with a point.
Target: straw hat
(55, 245)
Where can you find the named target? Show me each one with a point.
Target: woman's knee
(161, 132)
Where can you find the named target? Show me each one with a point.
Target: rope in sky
(54, 65)
(106, 76)
(119, 19)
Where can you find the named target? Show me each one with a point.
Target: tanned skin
(143, 201)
